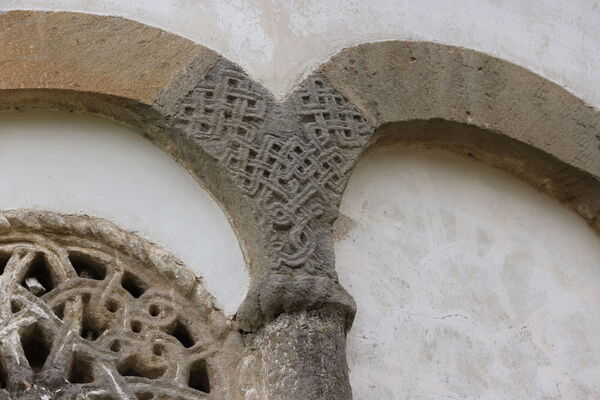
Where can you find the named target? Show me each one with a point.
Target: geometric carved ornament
(88, 311)
(292, 158)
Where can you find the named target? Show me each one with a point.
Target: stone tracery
(82, 319)
(292, 159)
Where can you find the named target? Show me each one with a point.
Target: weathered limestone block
(302, 356)
(527, 124)
(93, 53)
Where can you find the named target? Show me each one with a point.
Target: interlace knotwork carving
(83, 320)
(292, 158)
(335, 131)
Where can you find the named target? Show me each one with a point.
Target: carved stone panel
(88, 311)
(292, 159)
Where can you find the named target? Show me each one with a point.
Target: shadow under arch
(575, 188)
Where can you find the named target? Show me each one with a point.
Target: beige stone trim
(91, 53)
(279, 168)
(499, 112)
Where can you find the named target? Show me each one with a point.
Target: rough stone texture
(303, 357)
(89, 53)
(90, 311)
(292, 160)
(279, 169)
(404, 81)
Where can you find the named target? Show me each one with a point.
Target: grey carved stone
(301, 356)
(292, 160)
(277, 167)
(88, 311)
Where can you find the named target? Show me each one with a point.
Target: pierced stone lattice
(83, 320)
(292, 158)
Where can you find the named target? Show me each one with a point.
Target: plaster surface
(469, 283)
(279, 42)
(86, 165)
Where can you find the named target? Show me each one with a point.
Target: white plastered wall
(476, 285)
(280, 41)
(87, 165)
(470, 284)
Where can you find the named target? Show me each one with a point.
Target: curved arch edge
(97, 54)
(159, 83)
(402, 81)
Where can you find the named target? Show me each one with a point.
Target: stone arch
(119, 69)
(474, 103)
(83, 163)
(279, 168)
(113, 67)
(466, 102)
(125, 71)
(253, 153)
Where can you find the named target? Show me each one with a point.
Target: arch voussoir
(509, 115)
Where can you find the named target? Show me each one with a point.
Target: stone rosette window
(89, 311)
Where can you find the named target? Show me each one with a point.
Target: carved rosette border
(40, 222)
(92, 311)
